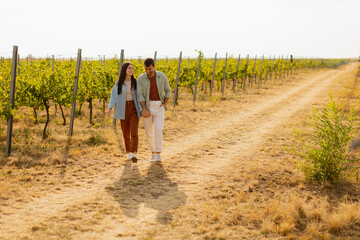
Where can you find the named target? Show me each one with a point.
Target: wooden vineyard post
(197, 77)
(253, 73)
(18, 63)
(262, 60)
(11, 100)
(272, 68)
(213, 75)
(53, 63)
(277, 68)
(155, 57)
(246, 67)
(267, 69)
(224, 78)
(75, 92)
(286, 66)
(280, 73)
(237, 71)
(120, 64)
(177, 81)
(121, 61)
(53, 69)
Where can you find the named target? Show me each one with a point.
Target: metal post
(224, 78)
(237, 70)
(177, 81)
(213, 75)
(11, 100)
(155, 57)
(197, 77)
(75, 92)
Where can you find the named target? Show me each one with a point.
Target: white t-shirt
(129, 93)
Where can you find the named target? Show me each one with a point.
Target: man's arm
(167, 90)
(165, 102)
(145, 111)
(141, 97)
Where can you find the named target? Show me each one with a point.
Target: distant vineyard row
(42, 82)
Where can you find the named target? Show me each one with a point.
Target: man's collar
(156, 74)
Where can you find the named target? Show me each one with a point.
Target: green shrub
(323, 151)
(95, 139)
(2, 129)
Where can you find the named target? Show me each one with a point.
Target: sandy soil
(114, 199)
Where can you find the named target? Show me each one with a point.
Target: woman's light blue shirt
(120, 102)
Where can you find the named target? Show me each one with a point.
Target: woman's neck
(128, 78)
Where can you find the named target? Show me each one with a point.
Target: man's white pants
(154, 125)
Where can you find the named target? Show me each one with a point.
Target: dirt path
(126, 202)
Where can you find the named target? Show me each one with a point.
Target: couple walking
(147, 97)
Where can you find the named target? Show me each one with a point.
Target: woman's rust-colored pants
(129, 127)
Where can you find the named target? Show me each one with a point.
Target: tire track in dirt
(243, 126)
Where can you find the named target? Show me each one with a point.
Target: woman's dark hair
(122, 77)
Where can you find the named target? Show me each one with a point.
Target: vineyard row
(42, 82)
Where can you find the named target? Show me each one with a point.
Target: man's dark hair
(148, 62)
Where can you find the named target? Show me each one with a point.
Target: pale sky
(306, 28)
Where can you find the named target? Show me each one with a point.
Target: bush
(96, 139)
(324, 149)
(2, 130)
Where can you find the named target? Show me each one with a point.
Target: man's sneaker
(129, 156)
(134, 158)
(153, 158)
(157, 157)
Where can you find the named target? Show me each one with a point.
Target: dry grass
(257, 195)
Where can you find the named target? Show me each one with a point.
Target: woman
(128, 108)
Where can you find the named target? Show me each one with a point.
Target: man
(153, 93)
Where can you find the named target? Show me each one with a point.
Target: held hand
(108, 112)
(145, 113)
(163, 105)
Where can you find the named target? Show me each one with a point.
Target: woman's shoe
(129, 156)
(134, 158)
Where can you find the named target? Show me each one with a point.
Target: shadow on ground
(155, 190)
